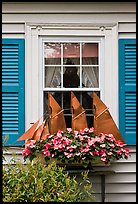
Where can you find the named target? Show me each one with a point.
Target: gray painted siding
(121, 186)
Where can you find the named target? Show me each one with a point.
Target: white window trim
(33, 63)
(84, 39)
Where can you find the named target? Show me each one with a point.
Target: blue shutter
(13, 119)
(127, 90)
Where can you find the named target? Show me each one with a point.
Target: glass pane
(90, 77)
(52, 53)
(71, 77)
(71, 53)
(64, 100)
(52, 77)
(90, 53)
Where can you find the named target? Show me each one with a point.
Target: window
(36, 80)
(71, 66)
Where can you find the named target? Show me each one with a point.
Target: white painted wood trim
(33, 86)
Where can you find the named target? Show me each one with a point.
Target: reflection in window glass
(71, 52)
(52, 53)
(90, 54)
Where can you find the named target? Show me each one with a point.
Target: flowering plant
(84, 146)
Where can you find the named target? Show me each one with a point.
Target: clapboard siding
(60, 7)
(120, 186)
(122, 197)
(13, 28)
(69, 18)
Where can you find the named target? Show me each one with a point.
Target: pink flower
(102, 152)
(102, 136)
(60, 131)
(97, 139)
(85, 150)
(91, 130)
(25, 152)
(76, 132)
(83, 144)
(59, 135)
(81, 137)
(68, 141)
(103, 155)
(47, 146)
(70, 149)
(96, 152)
(103, 159)
(31, 144)
(66, 153)
(110, 137)
(119, 152)
(102, 145)
(54, 141)
(82, 132)
(69, 130)
(46, 152)
(126, 152)
(73, 146)
(75, 137)
(78, 154)
(120, 143)
(86, 129)
(110, 153)
(112, 145)
(91, 153)
(90, 142)
(69, 155)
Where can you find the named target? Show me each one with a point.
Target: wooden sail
(56, 119)
(37, 134)
(79, 120)
(103, 121)
(29, 133)
(40, 133)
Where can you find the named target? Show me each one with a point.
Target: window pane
(90, 53)
(71, 77)
(90, 77)
(64, 100)
(52, 77)
(52, 52)
(71, 53)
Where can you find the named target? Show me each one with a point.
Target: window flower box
(82, 148)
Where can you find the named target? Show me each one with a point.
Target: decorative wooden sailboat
(103, 121)
(56, 119)
(79, 120)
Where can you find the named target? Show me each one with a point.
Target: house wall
(121, 186)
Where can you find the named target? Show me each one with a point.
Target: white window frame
(35, 33)
(99, 40)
